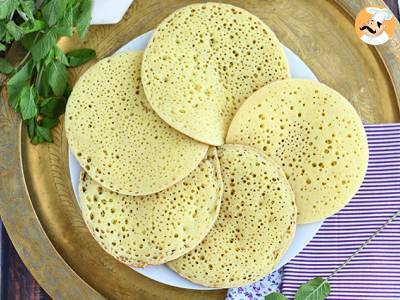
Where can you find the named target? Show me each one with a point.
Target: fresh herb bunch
(38, 86)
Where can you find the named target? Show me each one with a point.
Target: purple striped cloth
(374, 274)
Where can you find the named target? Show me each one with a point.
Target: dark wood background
(16, 283)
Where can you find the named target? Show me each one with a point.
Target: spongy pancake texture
(315, 134)
(255, 226)
(153, 229)
(203, 61)
(118, 139)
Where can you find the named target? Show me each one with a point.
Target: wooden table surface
(15, 280)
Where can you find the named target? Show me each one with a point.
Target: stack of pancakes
(203, 154)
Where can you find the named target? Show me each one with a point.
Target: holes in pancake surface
(155, 228)
(254, 227)
(307, 133)
(220, 57)
(126, 147)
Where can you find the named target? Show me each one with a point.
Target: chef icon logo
(375, 25)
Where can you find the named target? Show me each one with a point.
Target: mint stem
(364, 245)
(39, 77)
(27, 54)
(23, 60)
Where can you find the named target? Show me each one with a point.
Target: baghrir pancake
(317, 137)
(118, 139)
(255, 226)
(203, 61)
(153, 229)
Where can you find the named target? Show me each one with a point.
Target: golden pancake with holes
(317, 137)
(116, 136)
(154, 229)
(203, 61)
(255, 226)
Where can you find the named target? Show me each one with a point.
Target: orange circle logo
(375, 25)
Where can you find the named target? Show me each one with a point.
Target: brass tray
(37, 202)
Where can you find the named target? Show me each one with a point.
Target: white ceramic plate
(304, 233)
(109, 12)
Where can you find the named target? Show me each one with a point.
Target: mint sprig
(314, 289)
(38, 87)
(319, 288)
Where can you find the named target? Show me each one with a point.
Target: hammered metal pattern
(37, 202)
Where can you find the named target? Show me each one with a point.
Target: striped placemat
(374, 274)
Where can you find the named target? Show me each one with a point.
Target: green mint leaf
(45, 133)
(14, 95)
(65, 26)
(5, 66)
(7, 7)
(49, 122)
(50, 57)
(38, 66)
(31, 123)
(52, 107)
(16, 84)
(2, 47)
(37, 139)
(68, 91)
(59, 55)
(82, 16)
(16, 31)
(3, 27)
(27, 103)
(315, 289)
(28, 39)
(57, 75)
(53, 11)
(44, 86)
(275, 296)
(80, 56)
(8, 38)
(44, 45)
(22, 75)
(28, 8)
(34, 27)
